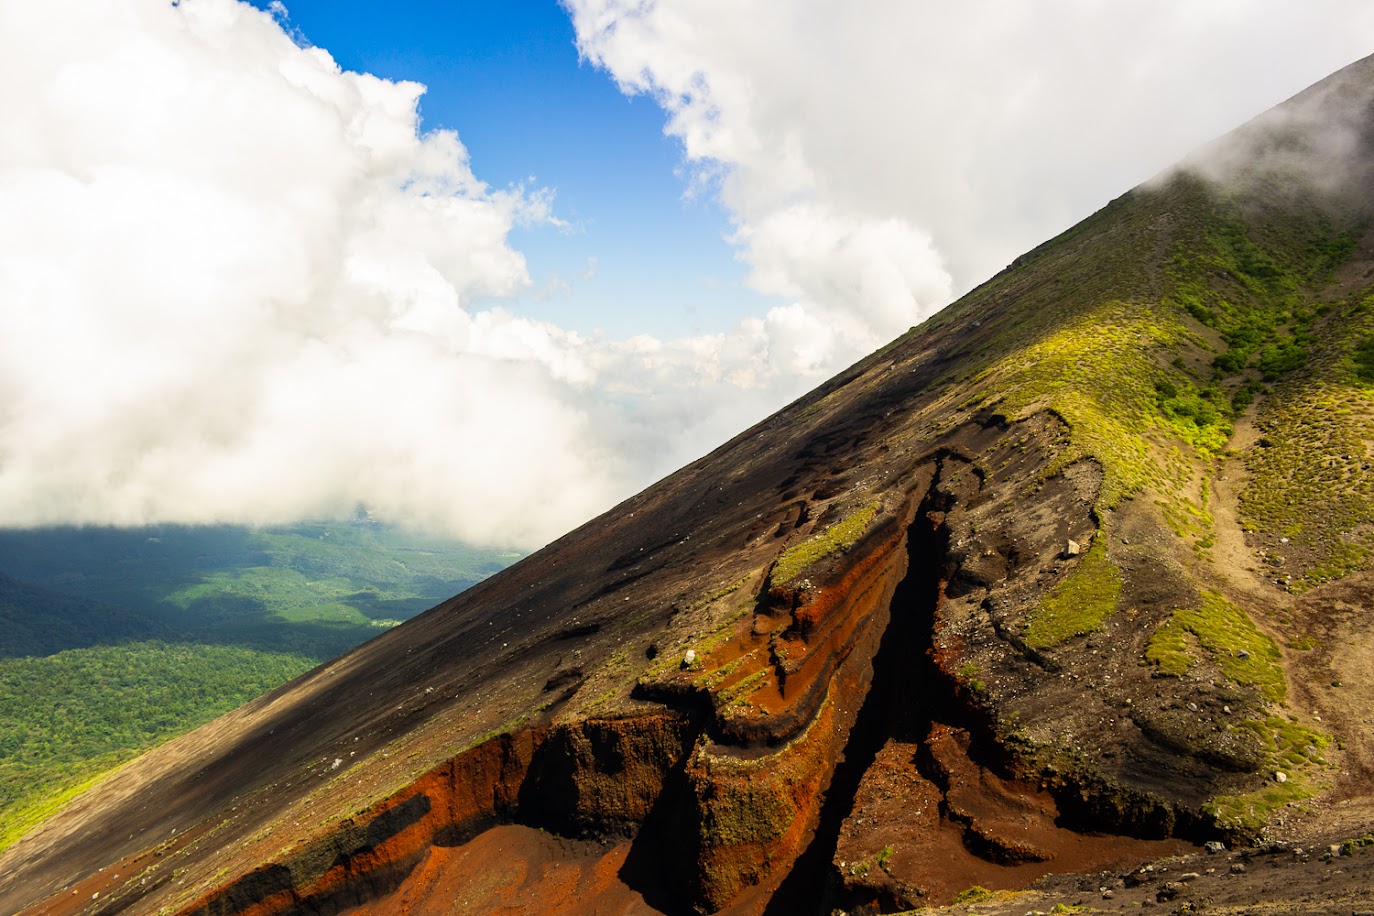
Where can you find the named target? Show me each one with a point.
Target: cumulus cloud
(236, 283)
(938, 141)
(242, 285)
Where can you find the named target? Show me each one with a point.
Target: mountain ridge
(997, 563)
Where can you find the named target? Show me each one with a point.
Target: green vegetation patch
(1096, 372)
(975, 894)
(1362, 359)
(283, 593)
(711, 680)
(1229, 636)
(75, 714)
(1168, 649)
(739, 813)
(1311, 480)
(738, 694)
(968, 674)
(1198, 416)
(316, 589)
(837, 537)
(1249, 276)
(1291, 749)
(1354, 843)
(1077, 605)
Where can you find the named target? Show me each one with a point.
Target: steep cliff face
(1052, 583)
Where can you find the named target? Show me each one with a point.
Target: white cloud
(239, 285)
(1323, 135)
(235, 282)
(970, 131)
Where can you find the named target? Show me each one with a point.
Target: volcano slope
(1069, 577)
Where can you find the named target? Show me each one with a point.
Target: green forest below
(115, 640)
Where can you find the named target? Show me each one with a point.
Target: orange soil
(899, 810)
(513, 870)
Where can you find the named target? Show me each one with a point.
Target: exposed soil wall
(597, 775)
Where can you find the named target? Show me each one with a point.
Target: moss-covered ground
(1229, 639)
(1311, 489)
(1078, 604)
(835, 538)
(1292, 750)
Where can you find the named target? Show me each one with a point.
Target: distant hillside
(36, 621)
(317, 589)
(133, 636)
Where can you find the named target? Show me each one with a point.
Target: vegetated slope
(36, 621)
(316, 588)
(223, 615)
(1088, 551)
(67, 717)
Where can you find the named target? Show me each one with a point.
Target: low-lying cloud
(242, 285)
(235, 282)
(1321, 140)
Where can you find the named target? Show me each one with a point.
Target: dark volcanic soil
(1282, 880)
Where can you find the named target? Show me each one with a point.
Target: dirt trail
(1328, 660)
(1242, 566)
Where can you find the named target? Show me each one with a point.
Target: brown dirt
(512, 870)
(908, 841)
(1286, 880)
(1332, 682)
(1245, 571)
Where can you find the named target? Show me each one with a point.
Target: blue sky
(506, 76)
